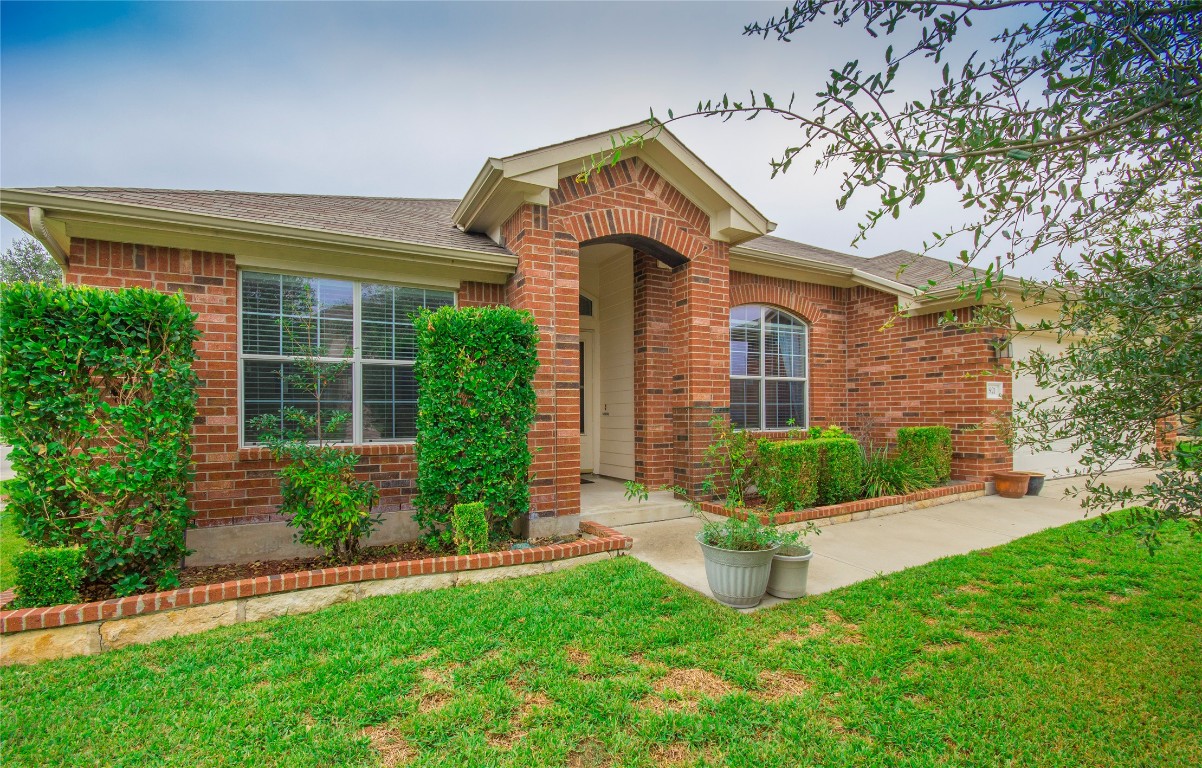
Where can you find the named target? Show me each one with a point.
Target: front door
(588, 426)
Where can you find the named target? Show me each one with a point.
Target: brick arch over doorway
(681, 318)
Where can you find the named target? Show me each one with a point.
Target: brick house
(661, 296)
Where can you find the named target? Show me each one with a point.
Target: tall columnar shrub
(97, 399)
(840, 469)
(928, 449)
(476, 401)
(788, 473)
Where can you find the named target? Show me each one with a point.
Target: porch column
(701, 363)
(547, 284)
(654, 372)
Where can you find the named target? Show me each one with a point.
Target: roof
(919, 271)
(408, 220)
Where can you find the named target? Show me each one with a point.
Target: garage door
(1060, 460)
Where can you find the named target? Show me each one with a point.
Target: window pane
(389, 403)
(285, 314)
(784, 351)
(267, 389)
(745, 403)
(784, 400)
(745, 341)
(387, 327)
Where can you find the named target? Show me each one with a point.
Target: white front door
(588, 399)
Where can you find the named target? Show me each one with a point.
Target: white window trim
(763, 378)
(356, 359)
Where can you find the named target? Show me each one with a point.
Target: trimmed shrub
(788, 473)
(476, 401)
(97, 399)
(928, 449)
(469, 527)
(840, 469)
(48, 576)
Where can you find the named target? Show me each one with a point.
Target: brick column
(654, 367)
(547, 284)
(701, 359)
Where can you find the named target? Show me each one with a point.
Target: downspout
(37, 222)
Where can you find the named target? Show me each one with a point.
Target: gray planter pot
(737, 579)
(1035, 484)
(790, 570)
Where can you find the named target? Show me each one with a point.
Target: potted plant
(1011, 485)
(738, 558)
(790, 570)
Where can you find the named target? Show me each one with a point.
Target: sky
(409, 99)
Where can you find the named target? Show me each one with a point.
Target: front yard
(1061, 649)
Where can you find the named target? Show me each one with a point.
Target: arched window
(768, 368)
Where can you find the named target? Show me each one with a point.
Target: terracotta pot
(1012, 485)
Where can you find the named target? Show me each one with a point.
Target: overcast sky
(406, 99)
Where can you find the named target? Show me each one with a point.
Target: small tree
(329, 507)
(26, 261)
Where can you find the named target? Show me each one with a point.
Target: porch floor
(850, 552)
(603, 500)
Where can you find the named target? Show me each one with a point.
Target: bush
(97, 399)
(469, 527)
(888, 476)
(788, 473)
(731, 462)
(322, 498)
(48, 576)
(476, 401)
(927, 449)
(840, 469)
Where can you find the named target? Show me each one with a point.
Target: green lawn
(10, 545)
(1062, 649)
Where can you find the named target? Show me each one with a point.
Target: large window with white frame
(365, 323)
(769, 353)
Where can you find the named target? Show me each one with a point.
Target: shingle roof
(783, 247)
(918, 270)
(407, 220)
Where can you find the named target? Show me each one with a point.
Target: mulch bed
(200, 575)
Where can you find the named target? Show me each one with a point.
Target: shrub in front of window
(469, 527)
(788, 473)
(476, 401)
(840, 469)
(48, 576)
(97, 399)
(321, 497)
(928, 449)
(731, 461)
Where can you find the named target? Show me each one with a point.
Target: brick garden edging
(34, 634)
(856, 510)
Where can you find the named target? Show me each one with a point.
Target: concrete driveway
(850, 552)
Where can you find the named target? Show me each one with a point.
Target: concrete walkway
(850, 552)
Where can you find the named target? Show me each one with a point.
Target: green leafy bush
(469, 527)
(929, 449)
(321, 497)
(48, 576)
(475, 372)
(97, 399)
(840, 469)
(788, 473)
(832, 431)
(731, 462)
(886, 475)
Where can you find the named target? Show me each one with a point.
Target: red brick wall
(918, 372)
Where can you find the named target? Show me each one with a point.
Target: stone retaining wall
(35, 634)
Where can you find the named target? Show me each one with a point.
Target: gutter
(37, 222)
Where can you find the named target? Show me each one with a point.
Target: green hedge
(928, 449)
(48, 576)
(97, 399)
(788, 473)
(469, 527)
(840, 469)
(476, 401)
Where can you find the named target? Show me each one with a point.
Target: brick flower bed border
(853, 508)
(602, 539)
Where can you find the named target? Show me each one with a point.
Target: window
(370, 320)
(768, 350)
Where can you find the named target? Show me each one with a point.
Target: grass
(10, 544)
(1060, 649)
